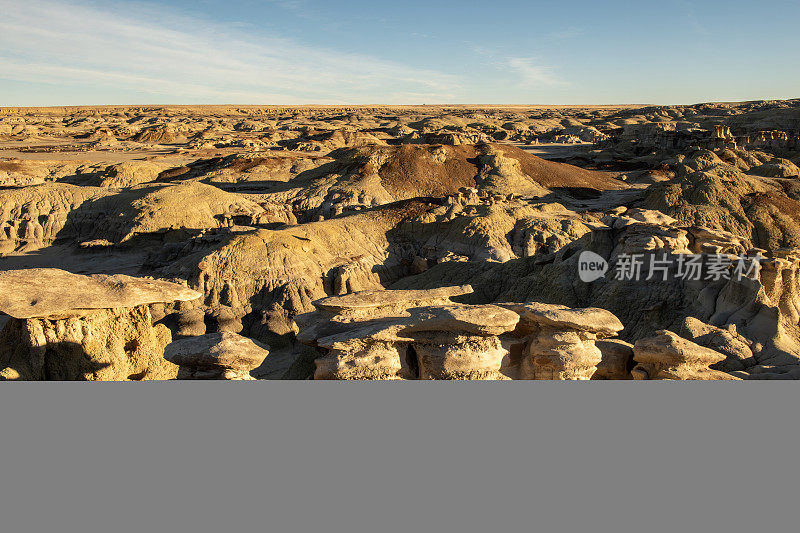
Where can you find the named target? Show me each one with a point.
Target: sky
(85, 52)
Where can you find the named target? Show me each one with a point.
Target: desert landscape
(313, 265)
(401, 242)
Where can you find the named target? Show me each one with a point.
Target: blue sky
(72, 52)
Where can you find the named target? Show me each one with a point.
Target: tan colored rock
(223, 355)
(617, 359)
(381, 335)
(388, 303)
(561, 340)
(117, 344)
(737, 349)
(70, 327)
(407, 335)
(370, 350)
(460, 341)
(50, 292)
(668, 356)
(191, 319)
(449, 355)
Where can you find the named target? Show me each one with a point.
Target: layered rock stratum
(422, 242)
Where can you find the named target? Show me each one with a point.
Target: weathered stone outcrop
(70, 327)
(35, 217)
(561, 341)
(407, 335)
(222, 355)
(737, 349)
(617, 359)
(422, 334)
(668, 356)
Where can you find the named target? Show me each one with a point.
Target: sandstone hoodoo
(216, 356)
(401, 242)
(66, 326)
(560, 342)
(408, 334)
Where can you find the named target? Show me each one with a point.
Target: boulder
(668, 356)
(222, 355)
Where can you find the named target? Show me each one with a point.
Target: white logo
(591, 266)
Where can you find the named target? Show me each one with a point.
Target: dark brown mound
(409, 170)
(278, 162)
(551, 174)
(415, 170)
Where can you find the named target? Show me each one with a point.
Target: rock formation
(406, 335)
(69, 327)
(668, 356)
(561, 341)
(223, 355)
(616, 359)
(422, 334)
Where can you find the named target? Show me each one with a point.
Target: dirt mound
(159, 135)
(425, 170)
(375, 175)
(551, 174)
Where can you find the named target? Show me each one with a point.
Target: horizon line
(316, 105)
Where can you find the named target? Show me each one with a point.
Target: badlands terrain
(423, 242)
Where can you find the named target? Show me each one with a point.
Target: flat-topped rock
(591, 319)
(472, 319)
(484, 320)
(49, 292)
(395, 337)
(223, 355)
(341, 335)
(388, 298)
(414, 334)
(668, 348)
(217, 350)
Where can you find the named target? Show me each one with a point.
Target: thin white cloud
(524, 71)
(173, 56)
(531, 73)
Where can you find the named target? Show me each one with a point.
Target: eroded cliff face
(104, 345)
(268, 214)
